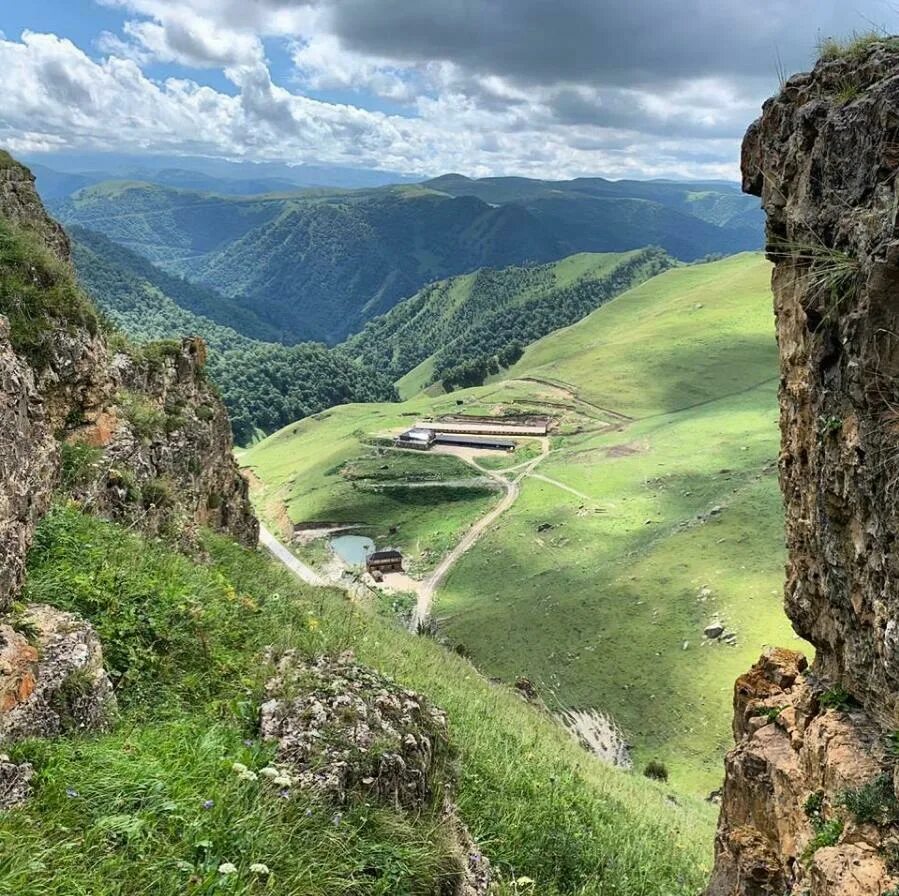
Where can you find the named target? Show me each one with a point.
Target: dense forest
(265, 385)
(475, 325)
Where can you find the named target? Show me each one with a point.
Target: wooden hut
(380, 562)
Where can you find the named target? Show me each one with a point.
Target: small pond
(352, 549)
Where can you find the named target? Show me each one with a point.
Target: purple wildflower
(284, 793)
(71, 793)
(208, 804)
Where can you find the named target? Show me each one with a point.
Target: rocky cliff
(134, 434)
(159, 439)
(809, 803)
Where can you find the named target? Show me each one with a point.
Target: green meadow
(154, 807)
(656, 512)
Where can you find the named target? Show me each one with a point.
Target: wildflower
(208, 804)
(312, 624)
(308, 813)
(285, 795)
(336, 819)
(283, 781)
(227, 868)
(269, 772)
(247, 742)
(238, 767)
(259, 868)
(247, 775)
(71, 793)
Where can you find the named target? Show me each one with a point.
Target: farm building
(379, 562)
(418, 439)
(465, 441)
(487, 427)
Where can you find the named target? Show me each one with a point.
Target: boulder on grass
(52, 679)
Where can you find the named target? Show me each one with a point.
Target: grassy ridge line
(491, 313)
(690, 334)
(154, 807)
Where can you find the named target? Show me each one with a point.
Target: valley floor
(652, 511)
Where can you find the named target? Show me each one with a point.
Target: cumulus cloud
(618, 88)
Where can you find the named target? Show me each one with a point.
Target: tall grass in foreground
(155, 808)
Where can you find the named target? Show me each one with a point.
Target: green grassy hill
(488, 316)
(318, 264)
(173, 796)
(659, 510)
(153, 808)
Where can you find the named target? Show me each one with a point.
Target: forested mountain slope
(318, 264)
(461, 330)
(264, 384)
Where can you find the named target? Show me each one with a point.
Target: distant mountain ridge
(317, 264)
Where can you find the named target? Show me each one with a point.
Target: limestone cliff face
(824, 158)
(28, 459)
(166, 445)
(159, 435)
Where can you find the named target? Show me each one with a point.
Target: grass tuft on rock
(38, 294)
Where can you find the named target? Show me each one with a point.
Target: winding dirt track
(512, 490)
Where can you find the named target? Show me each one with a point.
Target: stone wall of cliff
(156, 439)
(809, 803)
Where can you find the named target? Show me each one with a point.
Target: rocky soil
(806, 808)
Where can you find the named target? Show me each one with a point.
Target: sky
(538, 88)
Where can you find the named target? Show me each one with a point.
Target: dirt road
(512, 489)
(297, 567)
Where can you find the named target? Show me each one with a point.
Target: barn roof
(385, 555)
(417, 435)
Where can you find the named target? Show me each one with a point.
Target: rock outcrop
(166, 458)
(161, 436)
(52, 679)
(21, 205)
(134, 434)
(52, 682)
(28, 459)
(809, 805)
(347, 733)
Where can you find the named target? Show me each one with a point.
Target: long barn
(463, 440)
(488, 428)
